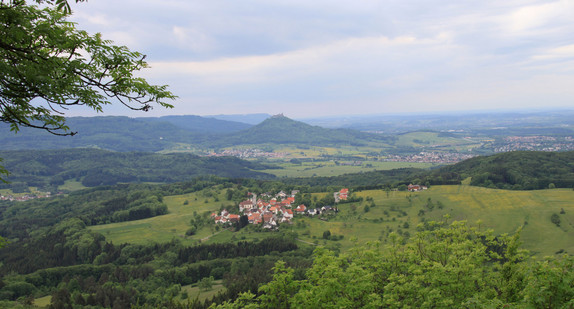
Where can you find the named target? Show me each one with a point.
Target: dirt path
(301, 240)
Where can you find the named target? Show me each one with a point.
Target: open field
(43, 302)
(330, 168)
(501, 210)
(71, 185)
(436, 140)
(193, 291)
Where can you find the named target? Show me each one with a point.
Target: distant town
(247, 153)
(535, 143)
(26, 197)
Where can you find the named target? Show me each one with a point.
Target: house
(301, 209)
(288, 214)
(344, 194)
(247, 204)
(233, 218)
(326, 208)
(415, 188)
(314, 211)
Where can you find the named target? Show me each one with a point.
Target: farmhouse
(415, 188)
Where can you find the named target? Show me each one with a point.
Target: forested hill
(282, 130)
(113, 133)
(123, 133)
(93, 167)
(519, 170)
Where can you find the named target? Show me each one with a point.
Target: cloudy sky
(329, 57)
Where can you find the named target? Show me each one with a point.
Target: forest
(48, 169)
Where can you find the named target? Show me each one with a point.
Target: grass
(72, 185)
(501, 210)
(329, 168)
(193, 291)
(167, 227)
(43, 302)
(432, 139)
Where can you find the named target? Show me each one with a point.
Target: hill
(123, 133)
(93, 167)
(282, 130)
(112, 133)
(519, 170)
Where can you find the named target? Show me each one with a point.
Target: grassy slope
(504, 211)
(173, 225)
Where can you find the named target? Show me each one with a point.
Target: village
(26, 197)
(271, 210)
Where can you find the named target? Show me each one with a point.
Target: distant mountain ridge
(120, 133)
(164, 133)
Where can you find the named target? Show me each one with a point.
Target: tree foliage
(444, 266)
(47, 65)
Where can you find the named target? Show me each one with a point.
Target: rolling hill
(519, 170)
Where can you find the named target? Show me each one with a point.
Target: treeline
(359, 181)
(93, 167)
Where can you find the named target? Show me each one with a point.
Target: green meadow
(385, 212)
(435, 139)
(193, 291)
(330, 168)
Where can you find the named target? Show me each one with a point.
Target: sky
(361, 57)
